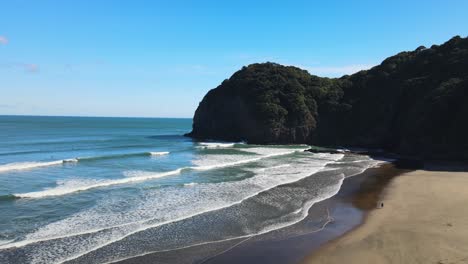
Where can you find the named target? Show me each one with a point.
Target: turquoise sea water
(94, 190)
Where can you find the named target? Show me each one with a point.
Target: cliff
(413, 103)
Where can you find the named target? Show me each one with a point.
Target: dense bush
(414, 103)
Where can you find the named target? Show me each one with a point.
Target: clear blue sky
(159, 58)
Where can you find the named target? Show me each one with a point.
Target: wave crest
(209, 145)
(72, 186)
(37, 164)
(162, 153)
(32, 165)
(77, 185)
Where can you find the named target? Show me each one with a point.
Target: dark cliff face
(262, 103)
(413, 103)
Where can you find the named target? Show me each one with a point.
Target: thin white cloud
(3, 40)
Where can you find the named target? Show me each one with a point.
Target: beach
(424, 220)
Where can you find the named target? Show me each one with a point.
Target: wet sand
(424, 220)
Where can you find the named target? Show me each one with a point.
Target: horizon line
(91, 116)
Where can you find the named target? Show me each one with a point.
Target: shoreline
(291, 244)
(422, 221)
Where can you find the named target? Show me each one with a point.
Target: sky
(159, 58)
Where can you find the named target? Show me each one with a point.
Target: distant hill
(414, 103)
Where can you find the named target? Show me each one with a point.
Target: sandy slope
(424, 220)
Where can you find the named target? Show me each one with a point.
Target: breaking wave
(36, 164)
(77, 185)
(157, 209)
(209, 145)
(32, 165)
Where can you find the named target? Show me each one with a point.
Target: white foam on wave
(371, 164)
(279, 166)
(375, 163)
(37, 164)
(137, 173)
(106, 223)
(70, 160)
(238, 162)
(4, 242)
(330, 191)
(208, 162)
(72, 186)
(76, 185)
(161, 153)
(215, 145)
(353, 161)
(300, 214)
(272, 151)
(274, 167)
(323, 156)
(122, 155)
(330, 169)
(31, 165)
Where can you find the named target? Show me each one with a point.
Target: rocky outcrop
(262, 103)
(414, 103)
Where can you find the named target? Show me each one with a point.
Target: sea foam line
(30, 241)
(123, 155)
(234, 163)
(32, 165)
(162, 153)
(375, 164)
(35, 164)
(64, 189)
(4, 242)
(215, 145)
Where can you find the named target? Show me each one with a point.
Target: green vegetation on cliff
(413, 103)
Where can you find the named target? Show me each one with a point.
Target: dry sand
(424, 220)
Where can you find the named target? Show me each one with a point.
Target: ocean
(98, 190)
